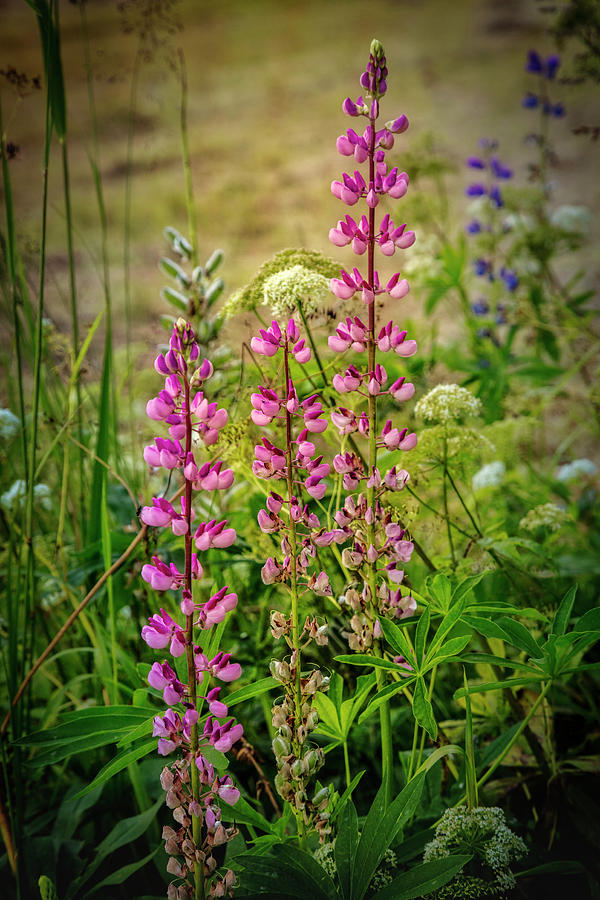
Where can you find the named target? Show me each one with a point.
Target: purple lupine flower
(476, 190)
(530, 101)
(480, 307)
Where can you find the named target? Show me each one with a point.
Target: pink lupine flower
(164, 678)
(222, 737)
(216, 608)
(163, 578)
(401, 390)
(214, 534)
(271, 571)
(301, 352)
(351, 380)
(226, 789)
(220, 666)
(396, 439)
(320, 584)
(162, 632)
(216, 706)
(166, 453)
(396, 480)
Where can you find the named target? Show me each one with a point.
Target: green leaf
(466, 586)
(563, 613)
(497, 685)
(446, 625)
(214, 291)
(363, 659)
(380, 829)
(448, 650)
(122, 874)
(142, 730)
(50, 755)
(297, 872)
(520, 637)
(347, 793)
(590, 621)
(490, 659)
(383, 695)
(440, 590)
(423, 710)
(396, 637)
(213, 262)
(437, 754)
(485, 627)
(245, 814)
(421, 637)
(173, 270)
(345, 847)
(423, 879)
(328, 716)
(251, 690)
(118, 763)
(174, 298)
(124, 832)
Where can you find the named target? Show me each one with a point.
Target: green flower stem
(445, 502)
(438, 513)
(187, 161)
(423, 733)
(463, 504)
(311, 341)
(347, 764)
(385, 722)
(293, 586)
(413, 750)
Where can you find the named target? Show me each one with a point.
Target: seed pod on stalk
(301, 470)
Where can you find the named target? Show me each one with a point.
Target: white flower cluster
(577, 468)
(483, 832)
(448, 403)
(490, 475)
(9, 424)
(548, 515)
(287, 289)
(15, 496)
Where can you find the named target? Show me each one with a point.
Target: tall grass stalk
(187, 161)
(106, 436)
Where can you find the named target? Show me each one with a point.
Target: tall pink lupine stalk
(193, 788)
(301, 471)
(379, 545)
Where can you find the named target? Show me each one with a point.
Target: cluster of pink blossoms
(380, 547)
(192, 787)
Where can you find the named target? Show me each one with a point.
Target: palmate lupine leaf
(379, 830)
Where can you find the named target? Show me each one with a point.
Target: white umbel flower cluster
(483, 832)
(548, 515)
(286, 290)
(448, 403)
